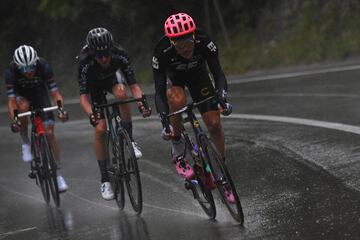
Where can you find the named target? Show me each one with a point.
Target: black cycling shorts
(200, 87)
(38, 97)
(97, 89)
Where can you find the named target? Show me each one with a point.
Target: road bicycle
(122, 165)
(43, 166)
(207, 163)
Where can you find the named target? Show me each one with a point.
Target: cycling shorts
(200, 87)
(38, 97)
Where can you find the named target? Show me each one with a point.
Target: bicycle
(206, 161)
(123, 166)
(43, 166)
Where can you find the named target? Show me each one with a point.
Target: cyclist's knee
(100, 128)
(119, 92)
(23, 105)
(176, 98)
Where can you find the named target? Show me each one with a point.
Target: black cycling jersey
(18, 84)
(193, 73)
(34, 89)
(92, 74)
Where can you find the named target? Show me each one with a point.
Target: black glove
(63, 116)
(95, 118)
(146, 112)
(228, 110)
(15, 126)
(225, 107)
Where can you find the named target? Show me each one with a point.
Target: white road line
(17, 231)
(294, 74)
(22, 194)
(284, 119)
(326, 95)
(91, 202)
(300, 121)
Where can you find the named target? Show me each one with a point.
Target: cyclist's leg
(213, 124)
(119, 90)
(23, 105)
(96, 93)
(177, 99)
(201, 87)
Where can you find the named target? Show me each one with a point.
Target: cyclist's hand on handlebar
(15, 126)
(227, 110)
(146, 112)
(95, 118)
(166, 135)
(224, 107)
(63, 116)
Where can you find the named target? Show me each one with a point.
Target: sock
(128, 127)
(25, 137)
(103, 171)
(178, 146)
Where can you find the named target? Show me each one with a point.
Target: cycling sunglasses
(27, 68)
(101, 54)
(182, 43)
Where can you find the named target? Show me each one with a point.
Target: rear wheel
(50, 170)
(223, 179)
(131, 172)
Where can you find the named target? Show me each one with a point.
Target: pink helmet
(178, 25)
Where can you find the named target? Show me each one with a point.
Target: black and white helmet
(25, 56)
(99, 39)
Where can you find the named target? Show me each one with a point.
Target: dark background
(251, 34)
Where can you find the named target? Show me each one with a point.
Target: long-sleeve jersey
(167, 63)
(90, 71)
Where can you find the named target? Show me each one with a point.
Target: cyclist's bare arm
(85, 104)
(56, 96)
(136, 90)
(12, 105)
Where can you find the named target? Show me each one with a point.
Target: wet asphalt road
(295, 181)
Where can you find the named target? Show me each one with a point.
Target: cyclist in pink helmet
(182, 58)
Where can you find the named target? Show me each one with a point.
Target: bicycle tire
(206, 199)
(222, 176)
(115, 170)
(50, 170)
(40, 165)
(131, 171)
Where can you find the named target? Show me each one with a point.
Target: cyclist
(105, 66)
(28, 79)
(181, 59)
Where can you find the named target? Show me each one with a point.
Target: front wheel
(131, 171)
(223, 178)
(50, 169)
(115, 169)
(202, 193)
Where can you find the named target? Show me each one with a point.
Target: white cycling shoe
(62, 186)
(26, 152)
(106, 191)
(138, 153)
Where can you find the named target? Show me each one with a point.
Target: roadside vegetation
(261, 34)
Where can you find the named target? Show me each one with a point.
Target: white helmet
(25, 56)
